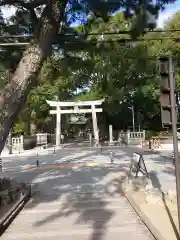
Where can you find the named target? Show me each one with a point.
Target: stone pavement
(80, 203)
(161, 170)
(159, 166)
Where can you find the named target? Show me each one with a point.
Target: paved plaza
(159, 165)
(78, 195)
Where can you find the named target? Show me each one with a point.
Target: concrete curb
(13, 212)
(146, 221)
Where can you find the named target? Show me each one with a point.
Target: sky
(163, 16)
(168, 13)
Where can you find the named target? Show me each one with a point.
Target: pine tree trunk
(14, 95)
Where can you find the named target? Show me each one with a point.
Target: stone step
(78, 206)
(73, 218)
(131, 232)
(57, 194)
(45, 204)
(67, 226)
(79, 188)
(46, 211)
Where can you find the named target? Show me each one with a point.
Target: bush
(29, 142)
(150, 134)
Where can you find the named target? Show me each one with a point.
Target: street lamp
(132, 109)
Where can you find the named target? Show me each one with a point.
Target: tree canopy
(84, 57)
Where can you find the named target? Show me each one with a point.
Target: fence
(132, 137)
(45, 139)
(17, 144)
(41, 139)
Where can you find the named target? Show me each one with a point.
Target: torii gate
(75, 109)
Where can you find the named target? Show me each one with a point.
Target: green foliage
(89, 95)
(124, 73)
(112, 71)
(19, 127)
(150, 134)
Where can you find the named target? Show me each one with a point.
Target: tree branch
(22, 3)
(51, 17)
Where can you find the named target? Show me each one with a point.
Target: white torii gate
(75, 109)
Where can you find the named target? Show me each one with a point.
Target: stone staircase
(79, 214)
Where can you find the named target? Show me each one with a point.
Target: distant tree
(45, 19)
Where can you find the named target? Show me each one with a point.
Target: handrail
(12, 213)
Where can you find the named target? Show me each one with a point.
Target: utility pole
(174, 129)
(169, 113)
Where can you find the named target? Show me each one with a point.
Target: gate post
(95, 126)
(22, 141)
(110, 135)
(128, 137)
(144, 135)
(0, 165)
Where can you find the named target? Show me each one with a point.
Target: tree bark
(14, 95)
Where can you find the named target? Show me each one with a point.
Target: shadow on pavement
(75, 188)
(156, 184)
(72, 188)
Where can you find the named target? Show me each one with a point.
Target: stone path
(160, 167)
(74, 203)
(161, 170)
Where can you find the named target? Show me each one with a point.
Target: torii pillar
(95, 126)
(58, 126)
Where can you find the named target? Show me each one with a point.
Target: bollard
(37, 163)
(173, 159)
(54, 150)
(111, 157)
(0, 165)
(10, 149)
(150, 143)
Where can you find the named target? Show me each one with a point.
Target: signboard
(77, 118)
(138, 165)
